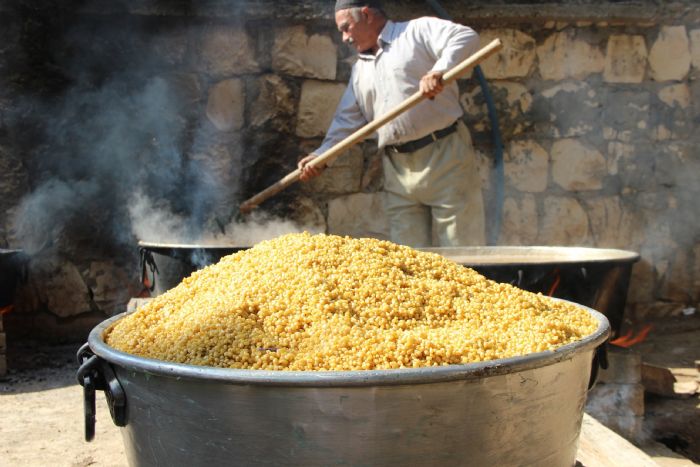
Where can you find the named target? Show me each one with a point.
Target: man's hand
(431, 84)
(309, 171)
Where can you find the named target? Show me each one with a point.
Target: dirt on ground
(42, 422)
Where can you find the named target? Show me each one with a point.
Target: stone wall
(185, 110)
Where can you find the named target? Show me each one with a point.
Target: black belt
(419, 143)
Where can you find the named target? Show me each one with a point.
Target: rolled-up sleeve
(450, 43)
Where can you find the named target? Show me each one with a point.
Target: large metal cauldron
(595, 277)
(164, 265)
(510, 412)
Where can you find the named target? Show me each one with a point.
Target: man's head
(360, 22)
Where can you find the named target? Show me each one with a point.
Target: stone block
(14, 178)
(577, 167)
(676, 282)
(217, 160)
(573, 108)
(669, 57)
(226, 104)
(611, 224)
(168, 46)
(274, 103)
(226, 51)
(676, 95)
(695, 273)
(519, 225)
(527, 166)
(309, 216)
(564, 222)
(625, 60)
(343, 177)
(624, 367)
(518, 98)
(358, 215)
(60, 287)
(615, 399)
(695, 48)
(297, 53)
(513, 102)
(641, 287)
(516, 57)
(619, 153)
(109, 285)
(317, 107)
(623, 110)
(563, 55)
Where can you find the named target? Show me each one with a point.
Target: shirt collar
(385, 37)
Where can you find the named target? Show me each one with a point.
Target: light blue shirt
(379, 83)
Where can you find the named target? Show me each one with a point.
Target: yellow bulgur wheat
(324, 302)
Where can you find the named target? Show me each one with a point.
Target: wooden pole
(331, 154)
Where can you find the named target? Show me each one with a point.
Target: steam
(41, 218)
(154, 222)
(102, 144)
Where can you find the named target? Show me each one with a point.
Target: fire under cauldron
(593, 277)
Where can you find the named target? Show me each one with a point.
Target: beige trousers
(435, 190)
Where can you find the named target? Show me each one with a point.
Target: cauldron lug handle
(86, 378)
(147, 262)
(95, 373)
(116, 398)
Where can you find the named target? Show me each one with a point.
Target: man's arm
(347, 119)
(450, 43)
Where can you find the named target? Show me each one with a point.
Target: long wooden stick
(332, 153)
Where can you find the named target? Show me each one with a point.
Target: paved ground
(42, 422)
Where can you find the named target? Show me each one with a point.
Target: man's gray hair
(356, 12)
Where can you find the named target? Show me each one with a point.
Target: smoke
(122, 135)
(154, 222)
(99, 145)
(42, 217)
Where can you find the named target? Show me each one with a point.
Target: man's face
(357, 33)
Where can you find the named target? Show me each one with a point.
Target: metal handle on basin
(148, 262)
(96, 374)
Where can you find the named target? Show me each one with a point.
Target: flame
(628, 341)
(145, 293)
(557, 279)
(6, 309)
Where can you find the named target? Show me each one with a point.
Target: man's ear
(366, 13)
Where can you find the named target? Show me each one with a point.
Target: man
(430, 176)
